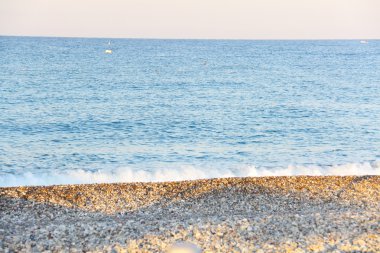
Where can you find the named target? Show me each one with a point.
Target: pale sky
(214, 19)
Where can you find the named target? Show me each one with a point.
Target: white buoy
(108, 51)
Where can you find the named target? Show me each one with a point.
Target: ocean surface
(159, 110)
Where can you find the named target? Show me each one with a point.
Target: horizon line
(179, 38)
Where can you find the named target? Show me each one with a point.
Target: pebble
(184, 247)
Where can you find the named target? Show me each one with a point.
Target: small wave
(182, 173)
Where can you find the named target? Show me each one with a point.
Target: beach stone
(184, 247)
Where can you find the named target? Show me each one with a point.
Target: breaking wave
(181, 173)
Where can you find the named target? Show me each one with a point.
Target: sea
(168, 110)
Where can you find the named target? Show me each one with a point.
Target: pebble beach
(264, 214)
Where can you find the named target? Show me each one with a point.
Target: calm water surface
(179, 106)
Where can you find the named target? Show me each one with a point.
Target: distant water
(158, 110)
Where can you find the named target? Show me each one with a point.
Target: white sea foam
(182, 173)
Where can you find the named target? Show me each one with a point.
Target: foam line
(181, 173)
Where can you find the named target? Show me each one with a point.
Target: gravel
(267, 214)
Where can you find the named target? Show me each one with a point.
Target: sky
(198, 19)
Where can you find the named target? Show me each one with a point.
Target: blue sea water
(157, 110)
